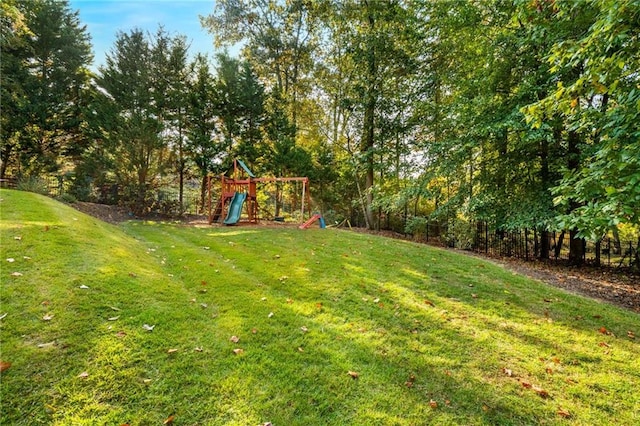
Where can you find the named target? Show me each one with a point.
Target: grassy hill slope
(252, 325)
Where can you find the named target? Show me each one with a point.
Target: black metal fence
(528, 244)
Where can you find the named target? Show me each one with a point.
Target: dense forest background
(519, 114)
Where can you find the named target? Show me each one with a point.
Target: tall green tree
(205, 148)
(598, 93)
(46, 54)
(136, 85)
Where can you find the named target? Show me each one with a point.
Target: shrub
(33, 184)
(67, 198)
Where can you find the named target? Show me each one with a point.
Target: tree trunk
(203, 192)
(367, 143)
(558, 247)
(544, 244)
(576, 248)
(576, 245)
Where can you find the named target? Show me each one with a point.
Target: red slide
(310, 221)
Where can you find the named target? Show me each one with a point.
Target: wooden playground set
(239, 194)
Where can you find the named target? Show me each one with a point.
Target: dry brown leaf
(526, 384)
(83, 375)
(234, 339)
(304, 329)
(353, 374)
(4, 365)
(433, 404)
(169, 420)
(507, 371)
(604, 345)
(199, 349)
(238, 351)
(121, 334)
(543, 393)
(47, 317)
(16, 274)
(300, 349)
(429, 302)
(254, 330)
(172, 351)
(630, 335)
(564, 413)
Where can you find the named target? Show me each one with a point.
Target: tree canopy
(519, 114)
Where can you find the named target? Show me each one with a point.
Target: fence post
(526, 244)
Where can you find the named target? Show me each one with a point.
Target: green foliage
(34, 184)
(67, 198)
(45, 55)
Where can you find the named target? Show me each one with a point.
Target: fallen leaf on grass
(47, 317)
(169, 420)
(300, 349)
(11, 260)
(84, 287)
(198, 349)
(16, 274)
(113, 318)
(289, 301)
(113, 308)
(17, 238)
(508, 372)
(543, 393)
(254, 330)
(148, 327)
(564, 413)
(433, 404)
(270, 314)
(46, 345)
(304, 329)
(234, 339)
(132, 275)
(429, 302)
(630, 335)
(604, 345)
(353, 374)
(3, 315)
(172, 351)
(121, 334)
(83, 375)
(4, 365)
(238, 351)
(526, 385)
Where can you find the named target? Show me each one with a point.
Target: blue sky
(104, 18)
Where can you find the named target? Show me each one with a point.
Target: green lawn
(433, 336)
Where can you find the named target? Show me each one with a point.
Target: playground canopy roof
(246, 169)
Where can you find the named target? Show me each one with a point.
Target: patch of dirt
(615, 286)
(104, 212)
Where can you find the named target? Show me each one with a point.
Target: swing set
(239, 192)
